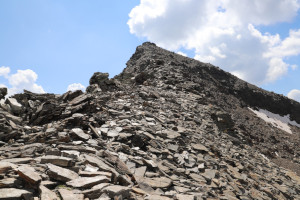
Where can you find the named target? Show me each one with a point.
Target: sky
(56, 45)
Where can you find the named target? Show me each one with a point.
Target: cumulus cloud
(294, 94)
(75, 86)
(223, 32)
(4, 71)
(22, 79)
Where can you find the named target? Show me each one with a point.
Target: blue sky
(48, 45)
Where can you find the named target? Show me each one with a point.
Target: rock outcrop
(167, 127)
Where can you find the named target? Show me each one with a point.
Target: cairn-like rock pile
(167, 127)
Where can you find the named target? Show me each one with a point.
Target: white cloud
(75, 86)
(4, 71)
(223, 33)
(294, 94)
(23, 79)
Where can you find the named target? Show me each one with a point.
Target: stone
(57, 160)
(78, 133)
(12, 193)
(61, 174)
(96, 191)
(157, 197)
(69, 195)
(3, 92)
(112, 133)
(18, 160)
(87, 182)
(98, 163)
(70, 154)
(184, 197)
(161, 182)
(117, 191)
(209, 174)
(200, 147)
(6, 166)
(46, 194)
(97, 173)
(28, 174)
(7, 182)
(16, 107)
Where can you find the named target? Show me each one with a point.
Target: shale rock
(167, 127)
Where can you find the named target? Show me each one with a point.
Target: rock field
(167, 128)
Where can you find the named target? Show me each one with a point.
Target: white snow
(281, 122)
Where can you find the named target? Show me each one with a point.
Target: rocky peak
(168, 127)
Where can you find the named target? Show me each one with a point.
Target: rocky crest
(167, 127)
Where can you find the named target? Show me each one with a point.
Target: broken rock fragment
(87, 182)
(61, 174)
(57, 160)
(29, 175)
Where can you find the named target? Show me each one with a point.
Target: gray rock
(96, 191)
(3, 92)
(28, 174)
(16, 107)
(46, 194)
(161, 182)
(87, 182)
(57, 160)
(69, 195)
(12, 193)
(78, 133)
(61, 174)
(117, 191)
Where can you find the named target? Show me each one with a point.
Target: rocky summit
(167, 127)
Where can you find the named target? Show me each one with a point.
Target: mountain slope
(167, 127)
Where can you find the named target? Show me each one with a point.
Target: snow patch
(281, 122)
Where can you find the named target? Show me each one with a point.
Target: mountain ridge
(167, 127)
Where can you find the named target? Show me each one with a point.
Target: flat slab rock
(5, 166)
(87, 182)
(161, 182)
(18, 160)
(29, 174)
(200, 147)
(61, 174)
(12, 193)
(69, 195)
(57, 160)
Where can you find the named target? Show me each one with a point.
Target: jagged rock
(3, 92)
(101, 79)
(15, 106)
